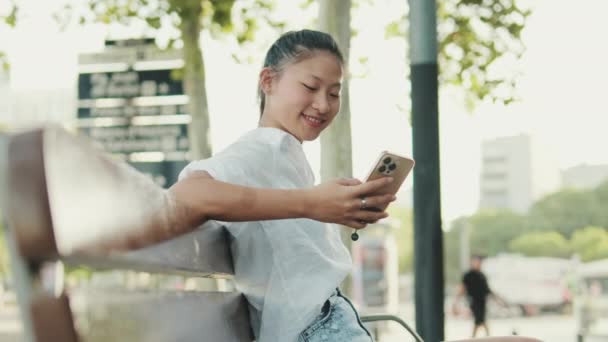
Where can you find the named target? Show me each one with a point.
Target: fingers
(372, 186)
(355, 224)
(362, 218)
(369, 216)
(381, 201)
(348, 181)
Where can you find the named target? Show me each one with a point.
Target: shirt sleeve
(242, 163)
(245, 164)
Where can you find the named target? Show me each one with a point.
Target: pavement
(550, 328)
(10, 325)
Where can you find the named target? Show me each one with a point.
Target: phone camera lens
(382, 169)
(387, 160)
(392, 167)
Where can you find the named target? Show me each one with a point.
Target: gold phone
(390, 165)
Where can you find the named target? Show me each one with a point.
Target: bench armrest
(377, 318)
(500, 339)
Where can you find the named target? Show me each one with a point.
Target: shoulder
(259, 147)
(239, 162)
(468, 277)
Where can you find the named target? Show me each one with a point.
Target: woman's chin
(307, 134)
(310, 137)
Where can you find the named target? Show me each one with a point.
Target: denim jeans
(337, 322)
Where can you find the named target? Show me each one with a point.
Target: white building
(516, 171)
(585, 176)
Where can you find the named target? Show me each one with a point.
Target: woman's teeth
(313, 120)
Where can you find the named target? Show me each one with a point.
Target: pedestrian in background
(477, 290)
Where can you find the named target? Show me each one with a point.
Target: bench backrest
(63, 200)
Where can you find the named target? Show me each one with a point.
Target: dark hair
(294, 46)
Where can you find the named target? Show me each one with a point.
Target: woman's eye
(334, 95)
(309, 87)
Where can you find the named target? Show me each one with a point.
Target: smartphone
(390, 165)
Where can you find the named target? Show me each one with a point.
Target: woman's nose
(321, 103)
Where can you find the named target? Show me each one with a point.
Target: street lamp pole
(428, 236)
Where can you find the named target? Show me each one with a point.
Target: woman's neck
(264, 123)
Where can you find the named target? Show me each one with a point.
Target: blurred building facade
(585, 176)
(516, 171)
(25, 108)
(30, 107)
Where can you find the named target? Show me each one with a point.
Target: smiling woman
(299, 85)
(304, 98)
(289, 270)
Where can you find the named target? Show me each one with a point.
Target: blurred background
(522, 121)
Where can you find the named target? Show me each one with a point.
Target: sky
(562, 88)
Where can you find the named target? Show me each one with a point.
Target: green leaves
(153, 22)
(11, 18)
(395, 29)
(217, 16)
(565, 211)
(560, 224)
(4, 61)
(222, 13)
(474, 36)
(482, 32)
(252, 17)
(551, 244)
(492, 230)
(249, 32)
(590, 243)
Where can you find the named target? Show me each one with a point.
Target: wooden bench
(65, 202)
(62, 198)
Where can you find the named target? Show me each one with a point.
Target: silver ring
(363, 203)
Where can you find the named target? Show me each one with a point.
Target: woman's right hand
(339, 201)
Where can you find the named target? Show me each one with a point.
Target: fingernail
(389, 179)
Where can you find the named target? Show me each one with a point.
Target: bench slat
(102, 316)
(67, 198)
(51, 319)
(202, 253)
(28, 205)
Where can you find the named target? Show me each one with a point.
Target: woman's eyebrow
(337, 84)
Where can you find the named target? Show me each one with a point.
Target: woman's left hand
(340, 201)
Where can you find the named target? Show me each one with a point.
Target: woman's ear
(266, 77)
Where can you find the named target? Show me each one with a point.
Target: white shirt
(285, 268)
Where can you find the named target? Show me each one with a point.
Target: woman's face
(304, 97)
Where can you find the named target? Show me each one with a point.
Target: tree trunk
(190, 12)
(194, 80)
(336, 145)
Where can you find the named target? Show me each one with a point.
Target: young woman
(290, 269)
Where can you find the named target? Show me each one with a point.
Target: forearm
(159, 215)
(198, 199)
(460, 292)
(191, 202)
